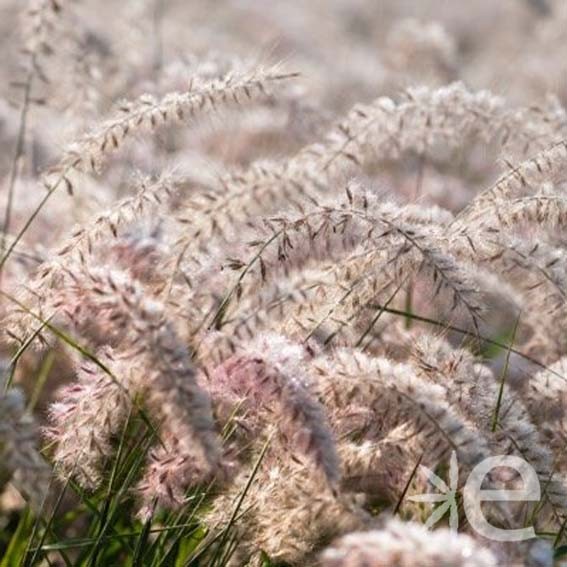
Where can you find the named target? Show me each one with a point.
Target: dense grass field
(283, 284)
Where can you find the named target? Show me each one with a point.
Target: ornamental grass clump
(260, 269)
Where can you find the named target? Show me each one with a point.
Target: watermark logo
(447, 495)
(474, 495)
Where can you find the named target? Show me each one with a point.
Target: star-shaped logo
(447, 495)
